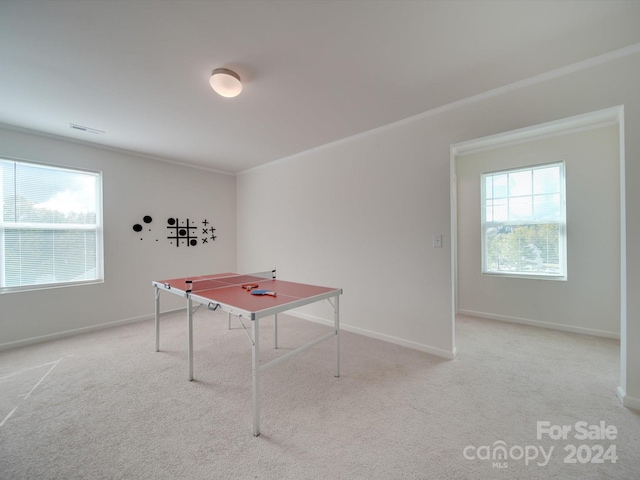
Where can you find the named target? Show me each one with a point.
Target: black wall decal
(185, 232)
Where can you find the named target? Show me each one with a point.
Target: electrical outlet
(437, 241)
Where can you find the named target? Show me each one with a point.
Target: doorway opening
(470, 287)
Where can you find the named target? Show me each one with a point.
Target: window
(50, 226)
(523, 222)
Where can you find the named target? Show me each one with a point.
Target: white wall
(343, 217)
(589, 301)
(132, 187)
(360, 213)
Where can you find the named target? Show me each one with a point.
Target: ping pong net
(200, 284)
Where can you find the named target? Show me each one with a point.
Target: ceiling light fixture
(225, 82)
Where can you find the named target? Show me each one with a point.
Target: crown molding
(537, 79)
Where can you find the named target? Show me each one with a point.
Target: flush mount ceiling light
(225, 82)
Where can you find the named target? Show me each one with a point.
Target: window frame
(562, 275)
(98, 228)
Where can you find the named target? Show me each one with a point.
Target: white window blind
(50, 226)
(523, 222)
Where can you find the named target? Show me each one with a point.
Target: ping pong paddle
(250, 286)
(263, 292)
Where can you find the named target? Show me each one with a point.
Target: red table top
(226, 288)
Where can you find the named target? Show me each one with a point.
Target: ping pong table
(250, 297)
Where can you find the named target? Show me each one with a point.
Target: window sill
(48, 286)
(532, 276)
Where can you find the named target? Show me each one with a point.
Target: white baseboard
(538, 323)
(379, 336)
(78, 331)
(627, 401)
(367, 333)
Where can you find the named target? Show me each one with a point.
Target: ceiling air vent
(86, 129)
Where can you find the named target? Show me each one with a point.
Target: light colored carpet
(104, 405)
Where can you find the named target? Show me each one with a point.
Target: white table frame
(333, 297)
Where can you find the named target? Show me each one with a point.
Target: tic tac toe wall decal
(184, 232)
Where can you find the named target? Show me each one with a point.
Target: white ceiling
(313, 71)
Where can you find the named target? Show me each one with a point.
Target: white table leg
(275, 331)
(336, 314)
(157, 309)
(190, 347)
(256, 378)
